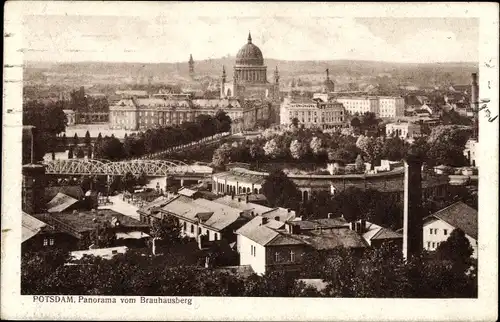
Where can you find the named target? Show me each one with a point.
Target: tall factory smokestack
(413, 219)
(475, 103)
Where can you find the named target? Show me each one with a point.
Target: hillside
(340, 70)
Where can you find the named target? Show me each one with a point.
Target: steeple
(249, 38)
(276, 75)
(327, 74)
(223, 73)
(191, 66)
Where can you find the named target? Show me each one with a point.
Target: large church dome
(250, 55)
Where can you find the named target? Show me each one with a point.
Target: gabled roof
(31, 226)
(156, 203)
(72, 191)
(60, 203)
(282, 213)
(256, 222)
(327, 239)
(459, 215)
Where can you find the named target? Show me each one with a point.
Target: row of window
(277, 257)
(48, 242)
(434, 231)
(184, 228)
(432, 245)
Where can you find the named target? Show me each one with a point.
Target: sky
(150, 39)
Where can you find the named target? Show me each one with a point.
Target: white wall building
(405, 130)
(391, 106)
(312, 113)
(470, 151)
(438, 226)
(360, 105)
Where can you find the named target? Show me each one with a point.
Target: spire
(249, 37)
(191, 58)
(276, 75)
(327, 74)
(223, 73)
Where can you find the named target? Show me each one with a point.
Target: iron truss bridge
(150, 168)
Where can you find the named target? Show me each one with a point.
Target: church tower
(223, 83)
(191, 66)
(276, 84)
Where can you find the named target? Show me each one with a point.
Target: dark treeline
(375, 273)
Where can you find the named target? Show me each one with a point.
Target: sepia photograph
(166, 158)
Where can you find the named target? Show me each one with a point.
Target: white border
(14, 306)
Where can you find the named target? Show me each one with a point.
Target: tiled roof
(282, 213)
(222, 217)
(60, 203)
(30, 226)
(262, 235)
(72, 191)
(84, 220)
(385, 233)
(242, 205)
(256, 222)
(332, 238)
(323, 223)
(157, 203)
(459, 215)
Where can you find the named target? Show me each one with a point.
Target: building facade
(70, 117)
(360, 105)
(438, 226)
(250, 76)
(404, 130)
(145, 113)
(391, 107)
(312, 113)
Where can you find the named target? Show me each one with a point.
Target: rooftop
(459, 215)
(240, 203)
(84, 220)
(60, 203)
(31, 226)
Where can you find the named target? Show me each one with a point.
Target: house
(61, 202)
(268, 245)
(201, 217)
(243, 203)
(73, 227)
(438, 226)
(37, 234)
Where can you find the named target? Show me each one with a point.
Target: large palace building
(248, 99)
(250, 76)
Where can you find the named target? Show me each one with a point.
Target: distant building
(470, 151)
(191, 66)
(132, 93)
(312, 113)
(360, 105)
(391, 106)
(438, 226)
(144, 113)
(250, 76)
(404, 130)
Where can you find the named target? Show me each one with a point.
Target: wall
(258, 260)
(284, 261)
(440, 237)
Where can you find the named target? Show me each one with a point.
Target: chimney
(288, 210)
(412, 218)
(362, 226)
(329, 215)
(475, 102)
(352, 225)
(264, 220)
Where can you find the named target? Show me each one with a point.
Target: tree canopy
(280, 191)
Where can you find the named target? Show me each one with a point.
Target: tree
(280, 191)
(223, 121)
(87, 139)
(75, 140)
(109, 148)
(128, 182)
(446, 145)
(256, 151)
(456, 248)
(70, 152)
(103, 235)
(64, 140)
(316, 145)
(271, 149)
(222, 156)
(167, 229)
(297, 150)
(80, 154)
(295, 122)
(394, 149)
(355, 122)
(359, 164)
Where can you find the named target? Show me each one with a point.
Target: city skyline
(158, 40)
